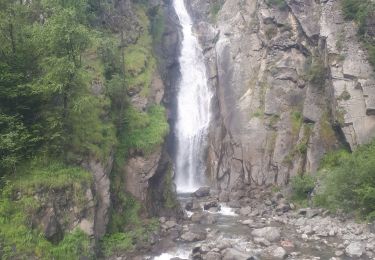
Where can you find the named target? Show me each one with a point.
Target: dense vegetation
(65, 76)
(363, 12)
(346, 182)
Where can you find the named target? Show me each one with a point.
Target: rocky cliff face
(291, 81)
(147, 175)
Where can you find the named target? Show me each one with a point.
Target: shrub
(302, 186)
(144, 131)
(297, 120)
(73, 246)
(116, 242)
(348, 181)
(215, 8)
(316, 73)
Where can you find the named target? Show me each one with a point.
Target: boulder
(245, 211)
(279, 253)
(272, 234)
(170, 224)
(212, 256)
(224, 196)
(355, 249)
(203, 218)
(234, 254)
(202, 192)
(190, 236)
(262, 241)
(210, 204)
(283, 207)
(189, 205)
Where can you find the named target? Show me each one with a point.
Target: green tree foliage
(348, 181)
(64, 86)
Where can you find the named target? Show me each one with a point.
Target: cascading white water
(193, 112)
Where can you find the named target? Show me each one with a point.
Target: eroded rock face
(100, 173)
(63, 210)
(291, 82)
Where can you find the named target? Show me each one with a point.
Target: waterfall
(193, 108)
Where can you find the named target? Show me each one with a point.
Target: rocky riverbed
(258, 224)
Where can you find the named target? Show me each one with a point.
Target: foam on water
(167, 256)
(227, 211)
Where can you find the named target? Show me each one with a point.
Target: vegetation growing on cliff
(21, 201)
(363, 12)
(348, 181)
(345, 181)
(65, 77)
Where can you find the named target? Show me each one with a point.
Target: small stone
(287, 244)
(170, 224)
(268, 202)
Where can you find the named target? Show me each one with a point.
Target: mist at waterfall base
(193, 109)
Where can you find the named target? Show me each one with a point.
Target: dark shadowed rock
(210, 204)
(202, 192)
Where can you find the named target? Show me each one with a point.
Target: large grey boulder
(272, 234)
(203, 218)
(234, 254)
(202, 192)
(190, 236)
(212, 256)
(279, 253)
(355, 249)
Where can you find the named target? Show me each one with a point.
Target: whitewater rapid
(193, 108)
